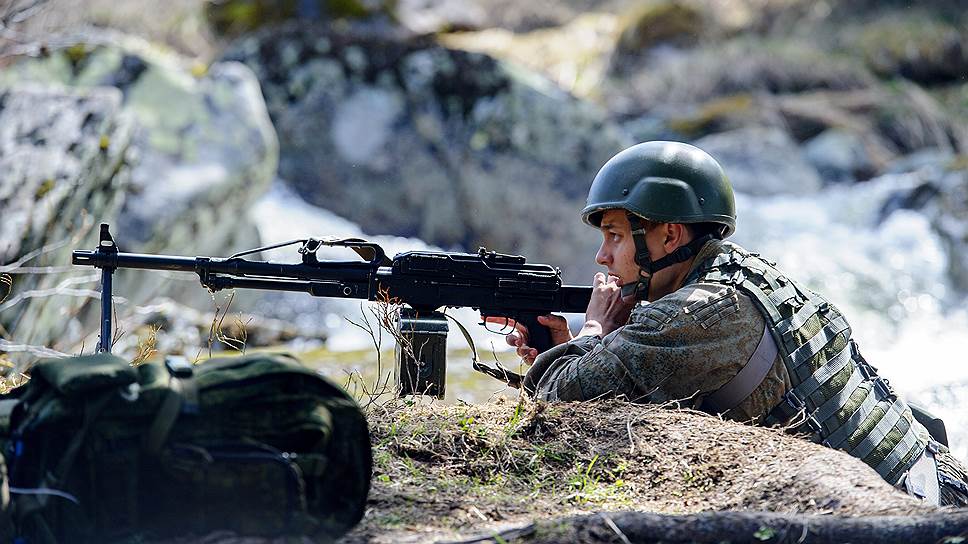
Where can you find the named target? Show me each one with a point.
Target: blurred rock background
(458, 124)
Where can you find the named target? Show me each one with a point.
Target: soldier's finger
(552, 321)
(504, 322)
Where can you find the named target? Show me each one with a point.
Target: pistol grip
(539, 337)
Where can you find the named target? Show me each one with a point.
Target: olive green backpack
(100, 451)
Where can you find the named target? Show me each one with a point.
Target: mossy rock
(747, 65)
(715, 115)
(921, 47)
(235, 17)
(660, 22)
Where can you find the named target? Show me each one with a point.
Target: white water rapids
(888, 278)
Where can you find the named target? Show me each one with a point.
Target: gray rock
(62, 167)
(202, 151)
(762, 161)
(430, 16)
(930, 162)
(949, 214)
(434, 143)
(839, 156)
(203, 139)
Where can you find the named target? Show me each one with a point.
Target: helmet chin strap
(639, 290)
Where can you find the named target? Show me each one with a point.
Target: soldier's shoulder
(705, 304)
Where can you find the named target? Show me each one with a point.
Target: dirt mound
(441, 470)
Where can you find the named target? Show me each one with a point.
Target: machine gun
(422, 281)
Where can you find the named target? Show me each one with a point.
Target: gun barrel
(102, 259)
(346, 271)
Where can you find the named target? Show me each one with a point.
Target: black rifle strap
(499, 372)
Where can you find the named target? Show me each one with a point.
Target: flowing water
(887, 275)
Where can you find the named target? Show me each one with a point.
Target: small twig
(39, 351)
(628, 427)
(118, 327)
(5, 279)
(613, 527)
(477, 511)
(41, 270)
(36, 253)
(61, 289)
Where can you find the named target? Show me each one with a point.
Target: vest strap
(764, 302)
(813, 346)
(823, 374)
(783, 294)
(884, 426)
(893, 460)
(839, 435)
(747, 379)
(839, 399)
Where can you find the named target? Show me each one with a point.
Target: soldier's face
(618, 249)
(618, 252)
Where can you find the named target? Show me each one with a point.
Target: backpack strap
(30, 505)
(182, 396)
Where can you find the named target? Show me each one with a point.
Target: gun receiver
(496, 284)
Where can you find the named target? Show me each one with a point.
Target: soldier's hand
(518, 337)
(607, 310)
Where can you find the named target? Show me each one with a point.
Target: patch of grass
(147, 343)
(9, 383)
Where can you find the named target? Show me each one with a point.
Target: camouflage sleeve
(684, 345)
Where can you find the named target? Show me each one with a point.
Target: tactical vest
(835, 392)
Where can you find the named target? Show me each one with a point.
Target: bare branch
(60, 289)
(53, 246)
(39, 351)
(41, 270)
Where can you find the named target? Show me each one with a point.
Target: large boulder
(949, 212)
(922, 45)
(62, 167)
(839, 155)
(406, 137)
(203, 150)
(762, 161)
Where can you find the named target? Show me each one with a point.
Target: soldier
(684, 314)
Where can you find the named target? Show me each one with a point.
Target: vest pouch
(246, 487)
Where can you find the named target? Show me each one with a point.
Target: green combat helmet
(664, 182)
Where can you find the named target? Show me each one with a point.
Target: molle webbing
(837, 395)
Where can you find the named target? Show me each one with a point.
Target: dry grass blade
(217, 332)
(146, 345)
(384, 314)
(6, 282)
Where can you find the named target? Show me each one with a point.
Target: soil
(451, 472)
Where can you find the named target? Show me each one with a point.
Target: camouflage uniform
(690, 343)
(682, 346)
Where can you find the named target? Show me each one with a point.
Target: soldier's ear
(674, 235)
